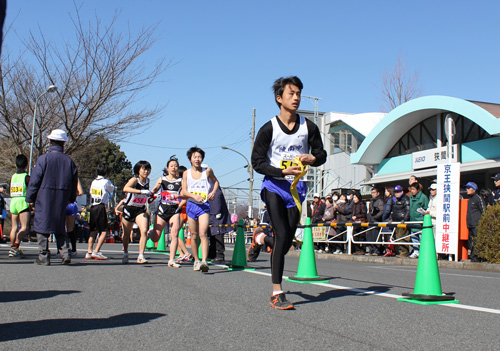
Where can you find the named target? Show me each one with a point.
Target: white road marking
(340, 287)
(441, 273)
(392, 296)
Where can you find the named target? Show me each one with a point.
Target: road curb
(396, 261)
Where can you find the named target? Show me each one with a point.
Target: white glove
(146, 192)
(218, 215)
(421, 210)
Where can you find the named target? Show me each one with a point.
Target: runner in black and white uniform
(134, 209)
(278, 142)
(170, 209)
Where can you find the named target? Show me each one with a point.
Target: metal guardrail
(383, 237)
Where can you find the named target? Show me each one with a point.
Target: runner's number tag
(16, 189)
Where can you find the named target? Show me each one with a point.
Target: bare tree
(398, 86)
(100, 75)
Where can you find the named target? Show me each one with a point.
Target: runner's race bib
(168, 198)
(138, 200)
(286, 163)
(96, 192)
(16, 190)
(203, 195)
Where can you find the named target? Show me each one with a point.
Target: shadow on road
(31, 329)
(12, 296)
(333, 294)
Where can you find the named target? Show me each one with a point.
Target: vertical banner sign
(448, 195)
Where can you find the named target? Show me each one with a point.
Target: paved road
(110, 306)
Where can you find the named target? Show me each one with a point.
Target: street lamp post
(250, 185)
(50, 89)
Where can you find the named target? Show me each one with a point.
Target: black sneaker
(280, 302)
(253, 252)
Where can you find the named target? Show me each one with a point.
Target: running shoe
(40, 262)
(254, 249)
(172, 263)
(98, 256)
(15, 253)
(88, 256)
(197, 265)
(125, 258)
(414, 254)
(280, 302)
(141, 260)
(204, 266)
(73, 253)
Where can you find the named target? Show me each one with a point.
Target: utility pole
(316, 117)
(250, 187)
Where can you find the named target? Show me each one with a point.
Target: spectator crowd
(393, 204)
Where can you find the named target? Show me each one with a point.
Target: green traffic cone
(161, 243)
(239, 261)
(306, 272)
(427, 282)
(150, 245)
(181, 237)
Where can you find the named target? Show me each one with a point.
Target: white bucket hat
(58, 135)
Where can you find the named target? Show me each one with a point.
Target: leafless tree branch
(398, 86)
(101, 74)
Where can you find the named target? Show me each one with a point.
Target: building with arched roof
(343, 133)
(411, 140)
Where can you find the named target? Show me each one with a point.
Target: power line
(171, 147)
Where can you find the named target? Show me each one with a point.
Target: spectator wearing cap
(475, 209)
(53, 185)
(494, 197)
(400, 213)
(418, 205)
(318, 209)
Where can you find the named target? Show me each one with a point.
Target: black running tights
(284, 222)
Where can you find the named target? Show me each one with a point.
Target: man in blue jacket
(52, 187)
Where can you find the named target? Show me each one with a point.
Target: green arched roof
(395, 124)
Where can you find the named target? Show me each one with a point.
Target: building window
(423, 136)
(344, 141)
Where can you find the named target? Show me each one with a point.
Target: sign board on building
(448, 195)
(433, 157)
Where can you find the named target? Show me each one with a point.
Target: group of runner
(189, 191)
(284, 146)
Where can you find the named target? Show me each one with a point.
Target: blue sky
(228, 53)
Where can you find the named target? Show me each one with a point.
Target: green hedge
(488, 235)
